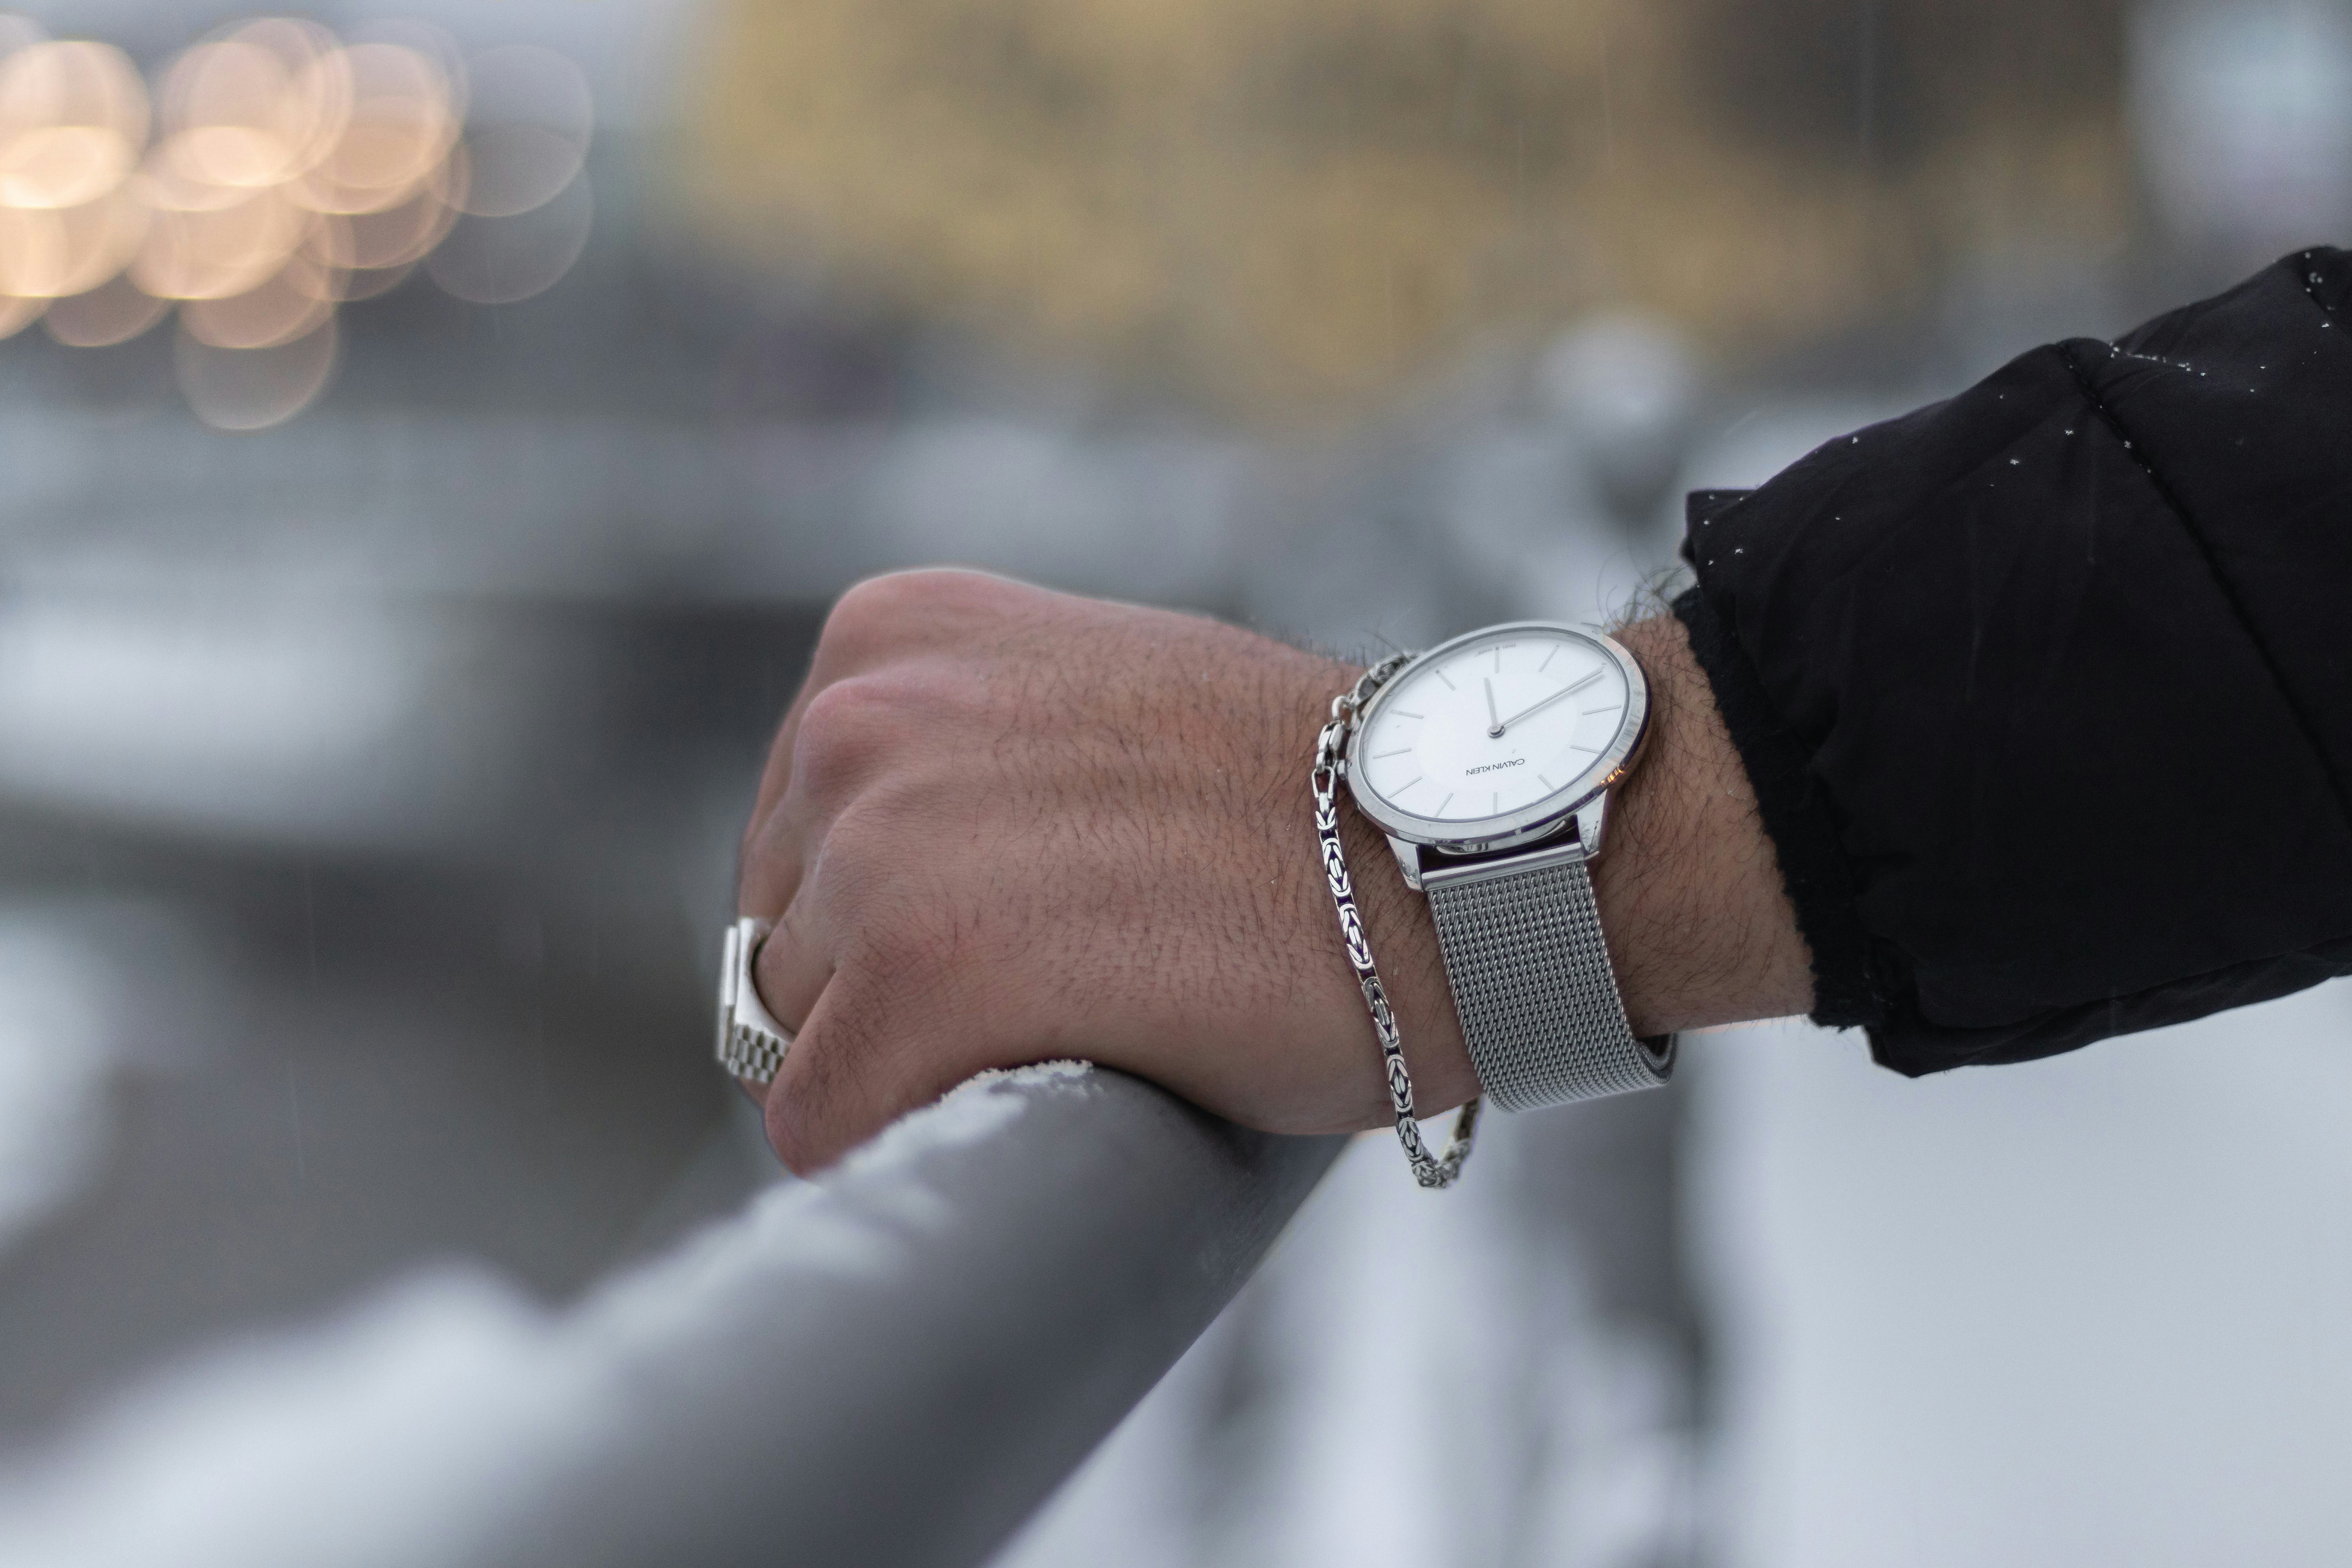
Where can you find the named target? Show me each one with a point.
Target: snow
(2084, 1310)
(2090, 1310)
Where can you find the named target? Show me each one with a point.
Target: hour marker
(1400, 752)
(1575, 746)
(1547, 658)
(1546, 783)
(1440, 675)
(1604, 708)
(1407, 785)
(1443, 804)
(1498, 655)
(1403, 714)
(1497, 809)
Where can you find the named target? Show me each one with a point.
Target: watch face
(1495, 732)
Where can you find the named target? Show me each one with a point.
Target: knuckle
(764, 856)
(948, 588)
(868, 886)
(845, 733)
(845, 883)
(860, 883)
(868, 624)
(897, 607)
(863, 614)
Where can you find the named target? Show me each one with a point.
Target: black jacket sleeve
(2046, 691)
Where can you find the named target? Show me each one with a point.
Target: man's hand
(1001, 825)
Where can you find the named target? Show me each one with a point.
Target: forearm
(1001, 826)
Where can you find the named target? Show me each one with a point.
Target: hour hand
(1493, 725)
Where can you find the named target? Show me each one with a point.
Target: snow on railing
(894, 1365)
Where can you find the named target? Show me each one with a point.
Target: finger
(768, 861)
(793, 965)
(876, 621)
(859, 1064)
(879, 623)
(841, 736)
(777, 840)
(776, 774)
(851, 733)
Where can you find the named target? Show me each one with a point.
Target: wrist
(1699, 928)
(1699, 925)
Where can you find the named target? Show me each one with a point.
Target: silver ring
(751, 1044)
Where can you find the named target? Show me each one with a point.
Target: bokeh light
(275, 173)
(528, 128)
(254, 388)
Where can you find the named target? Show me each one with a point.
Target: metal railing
(898, 1365)
(893, 1365)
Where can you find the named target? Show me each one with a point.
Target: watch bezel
(1541, 818)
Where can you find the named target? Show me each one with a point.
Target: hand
(1536, 707)
(1001, 825)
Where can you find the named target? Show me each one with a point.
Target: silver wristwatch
(1488, 761)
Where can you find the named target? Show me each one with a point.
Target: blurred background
(430, 434)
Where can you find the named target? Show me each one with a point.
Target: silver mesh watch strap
(1532, 983)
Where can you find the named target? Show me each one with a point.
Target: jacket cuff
(1847, 992)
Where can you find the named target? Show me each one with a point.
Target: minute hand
(1539, 707)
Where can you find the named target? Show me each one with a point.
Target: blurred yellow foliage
(1285, 206)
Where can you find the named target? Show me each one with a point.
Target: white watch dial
(1495, 726)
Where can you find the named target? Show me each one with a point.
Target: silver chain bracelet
(1329, 759)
